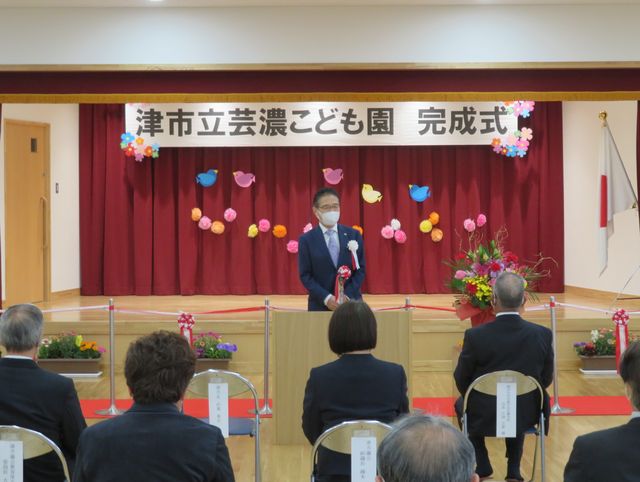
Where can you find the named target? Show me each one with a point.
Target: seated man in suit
(153, 440)
(612, 454)
(356, 386)
(508, 343)
(324, 249)
(34, 398)
(424, 447)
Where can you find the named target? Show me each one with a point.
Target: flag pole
(603, 117)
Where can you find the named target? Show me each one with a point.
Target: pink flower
(511, 140)
(526, 134)
(460, 274)
(292, 246)
(528, 105)
(522, 144)
(387, 232)
(481, 221)
(469, 225)
(204, 223)
(264, 225)
(230, 215)
(517, 108)
(497, 149)
(400, 236)
(307, 228)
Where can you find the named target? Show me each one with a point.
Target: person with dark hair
(356, 386)
(612, 454)
(322, 250)
(153, 440)
(427, 449)
(34, 398)
(508, 343)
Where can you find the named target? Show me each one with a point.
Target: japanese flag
(616, 192)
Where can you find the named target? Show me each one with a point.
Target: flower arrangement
(69, 345)
(210, 345)
(475, 269)
(603, 343)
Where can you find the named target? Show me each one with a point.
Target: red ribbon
(621, 319)
(185, 323)
(344, 273)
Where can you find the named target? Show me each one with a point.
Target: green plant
(210, 345)
(603, 343)
(68, 345)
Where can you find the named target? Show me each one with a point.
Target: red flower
(461, 256)
(509, 257)
(472, 289)
(495, 266)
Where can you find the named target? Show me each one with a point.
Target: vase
(72, 366)
(598, 362)
(203, 364)
(477, 315)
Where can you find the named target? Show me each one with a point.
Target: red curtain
(137, 236)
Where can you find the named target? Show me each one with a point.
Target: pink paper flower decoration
(460, 274)
(526, 134)
(292, 246)
(387, 232)
(469, 225)
(230, 215)
(307, 228)
(204, 223)
(511, 140)
(400, 236)
(481, 221)
(395, 224)
(264, 225)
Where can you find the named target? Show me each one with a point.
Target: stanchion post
(112, 410)
(407, 303)
(266, 409)
(556, 391)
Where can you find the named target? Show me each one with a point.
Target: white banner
(320, 123)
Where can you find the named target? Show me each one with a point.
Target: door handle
(45, 238)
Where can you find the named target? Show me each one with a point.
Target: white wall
(581, 129)
(497, 33)
(65, 220)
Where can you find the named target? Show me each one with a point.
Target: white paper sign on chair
(363, 456)
(11, 461)
(219, 405)
(506, 394)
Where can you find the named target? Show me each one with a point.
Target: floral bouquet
(475, 269)
(210, 345)
(69, 345)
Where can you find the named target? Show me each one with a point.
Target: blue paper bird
(207, 179)
(418, 193)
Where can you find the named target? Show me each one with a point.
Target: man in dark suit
(34, 398)
(612, 454)
(153, 440)
(508, 343)
(356, 386)
(324, 249)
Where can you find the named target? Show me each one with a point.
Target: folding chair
(338, 438)
(199, 386)
(34, 444)
(488, 384)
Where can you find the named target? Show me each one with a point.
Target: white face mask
(330, 218)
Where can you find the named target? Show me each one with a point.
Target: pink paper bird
(244, 179)
(332, 176)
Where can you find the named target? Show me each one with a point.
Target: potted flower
(600, 352)
(476, 267)
(212, 351)
(69, 353)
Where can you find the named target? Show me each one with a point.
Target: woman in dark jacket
(356, 386)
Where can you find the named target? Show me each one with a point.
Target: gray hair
(21, 327)
(425, 448)
(509, 290)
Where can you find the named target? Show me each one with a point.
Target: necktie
(334, 247)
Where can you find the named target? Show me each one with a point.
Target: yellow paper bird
(369, 195)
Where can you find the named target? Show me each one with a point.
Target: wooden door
(26, 174)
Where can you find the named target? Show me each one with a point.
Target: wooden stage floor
(290, 463)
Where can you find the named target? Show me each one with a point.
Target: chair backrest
(488, 384)
(199, 384)
(34, 444)
(338, 438)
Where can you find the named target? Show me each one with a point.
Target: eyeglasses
(329, 207)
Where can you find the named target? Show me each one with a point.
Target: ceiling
(271, 3)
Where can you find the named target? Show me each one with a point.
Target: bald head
(509, 291)
(428, 449)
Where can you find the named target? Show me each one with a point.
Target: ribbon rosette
(353, 247)
(343, 274)
(185, 323)
(621, 319)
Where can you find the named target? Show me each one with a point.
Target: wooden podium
(300, 343)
